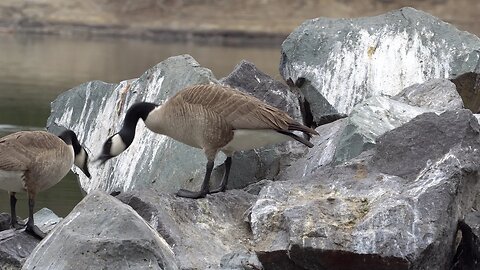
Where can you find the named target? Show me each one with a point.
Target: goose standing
(32, 161)
(213, 118)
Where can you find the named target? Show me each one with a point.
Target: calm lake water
(34, 69)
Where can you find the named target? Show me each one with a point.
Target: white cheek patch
(118, 146)
(81, 158)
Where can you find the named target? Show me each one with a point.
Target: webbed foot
(35, 231)
(191, 194)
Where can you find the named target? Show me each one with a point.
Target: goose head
(81, 156)
(120, 141)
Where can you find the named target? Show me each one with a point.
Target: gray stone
(344, 61)
(248, 78)
(322, 154)
(242, 260)
(16, 245)
(424, 139)
(370, 119)
(356, 216)
(200, 232)
(435, 94)
(102, 233)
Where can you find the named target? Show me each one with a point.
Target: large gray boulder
(202, 233)
(337, 63)
(102, 233)
(395, 206)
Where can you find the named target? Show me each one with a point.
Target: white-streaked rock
(344, 61)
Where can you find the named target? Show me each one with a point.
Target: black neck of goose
(134, 113)
(70, 138)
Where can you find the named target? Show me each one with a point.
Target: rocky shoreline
(394, 185)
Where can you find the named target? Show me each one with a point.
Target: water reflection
(34, 69)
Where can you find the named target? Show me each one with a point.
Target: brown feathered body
(33, 161)
(219, 118)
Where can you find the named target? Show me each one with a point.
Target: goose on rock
(33, 161)
(213, 118)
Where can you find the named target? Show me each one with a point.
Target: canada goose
(211, 117)
(32, 161)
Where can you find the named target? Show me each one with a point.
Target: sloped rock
(370, 119)
(322, 154)
(356, 216)
(16, 245)
(435, 94)
(344, 61)
(102, 233)
(248, 78)
(426, 138)
(200, 232)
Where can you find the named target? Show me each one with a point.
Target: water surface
(34, 69)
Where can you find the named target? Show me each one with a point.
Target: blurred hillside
(177, 19)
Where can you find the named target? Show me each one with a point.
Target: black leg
(205, 185)
(223, 184)
(31, 228)
(13, 213)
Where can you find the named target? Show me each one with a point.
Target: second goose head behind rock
(213, 118)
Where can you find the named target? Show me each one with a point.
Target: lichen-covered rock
(344, 61)
(201, 232)
(102, 233)
(369, 214)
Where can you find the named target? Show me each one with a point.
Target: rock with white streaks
(387, 208)
(341, 62)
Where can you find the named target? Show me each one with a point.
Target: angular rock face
(200, 232)
(344, 61)
(367, 214)
(102, 232)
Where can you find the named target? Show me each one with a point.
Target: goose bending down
(213, 118)
(32, 161)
